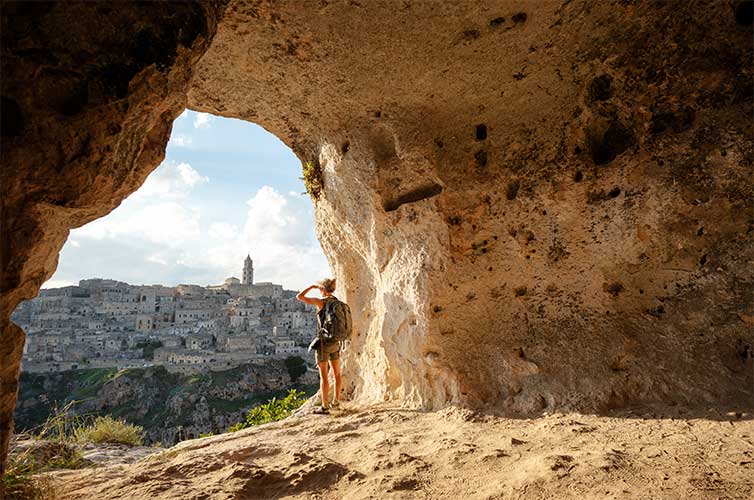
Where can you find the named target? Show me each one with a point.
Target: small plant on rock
(22, 481)
(312, 178)
(109, 430)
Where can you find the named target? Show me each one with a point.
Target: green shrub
(109, 430)
(313, 178)
(273, 410)
(149, 348)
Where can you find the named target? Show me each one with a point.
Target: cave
(580, 291)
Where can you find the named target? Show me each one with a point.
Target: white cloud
(53, 283)
(167, 223)
(190, 176)
(278, 235)
(223, 231)
(269, 215)
(203, 120)
(156, 213)
(170, 180)
(157, 260)
(180, 140)
(74, 243)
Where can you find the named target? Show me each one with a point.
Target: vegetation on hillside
(149, 348)
(153, 397)
(296, 367)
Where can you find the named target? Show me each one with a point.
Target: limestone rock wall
(531, 204)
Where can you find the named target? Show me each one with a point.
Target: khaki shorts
(328, 353)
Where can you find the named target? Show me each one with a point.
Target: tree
(296, 367)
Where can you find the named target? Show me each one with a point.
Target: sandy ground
(386, 452)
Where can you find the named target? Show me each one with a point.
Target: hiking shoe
(321, 410)
(335, 404)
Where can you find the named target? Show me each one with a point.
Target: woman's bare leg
(324, 384)
(335, 363)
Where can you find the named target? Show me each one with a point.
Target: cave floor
(389, 452)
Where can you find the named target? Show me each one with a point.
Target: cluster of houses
(105, 323)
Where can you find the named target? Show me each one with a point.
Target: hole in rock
(497, 22)
(614, 141)
(744, 12)
(512, 190)
(480, 157)
(417, 194)
(657, 312)
(519, 17)
(11, 118)
(677, 121)
(187, 288)
(481, 132)
(472, 34)
(600, 89)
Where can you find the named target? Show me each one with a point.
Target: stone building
(199, 341)
(107, 323)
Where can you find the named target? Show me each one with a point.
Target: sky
(226, 188)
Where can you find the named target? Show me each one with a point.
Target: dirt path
(387, 452)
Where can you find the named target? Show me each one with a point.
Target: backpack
(334, 321)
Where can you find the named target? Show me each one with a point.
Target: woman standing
(326, 352)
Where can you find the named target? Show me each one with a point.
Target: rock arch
(591, 248)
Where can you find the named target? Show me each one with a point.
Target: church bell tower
(248, 271)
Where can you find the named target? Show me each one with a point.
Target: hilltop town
(103, 323)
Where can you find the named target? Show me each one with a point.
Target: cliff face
(530, 204)
(171, 407)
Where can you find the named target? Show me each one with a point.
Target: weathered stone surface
(531, 205)
(392, 453)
